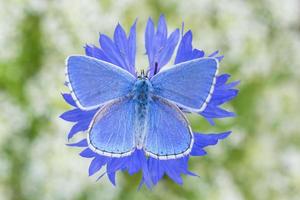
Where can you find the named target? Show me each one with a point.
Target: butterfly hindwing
(94, 82)
(169, 133)
(111, 132)
(188, 84)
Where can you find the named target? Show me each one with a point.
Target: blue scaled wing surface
(188, 84)
(111, 132)
(169, 135)
(94, 82)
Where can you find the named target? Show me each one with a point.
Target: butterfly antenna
(155, 68)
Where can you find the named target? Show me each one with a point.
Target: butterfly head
(142, 75)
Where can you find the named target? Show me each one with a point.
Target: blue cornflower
(121, 51)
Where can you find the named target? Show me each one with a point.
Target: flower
(159, 49)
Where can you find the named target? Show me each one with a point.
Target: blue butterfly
(141, 112)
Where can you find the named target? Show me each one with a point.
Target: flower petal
(116, 164)
(229, 85)
(111, 51)
(185, 48)
(149, 37)
(112, 177)
(134, 164)
(222, 96)
(120, 39)
(75, 115)
(156, 171)
(79, 127)
(167, 52)
(216, 112)
(87, 153)
(197, 54)
(132, 48)
(159, 47)
(198, 152)
(121, 44)
(81, 143)
(96, 52)
(97, 164)
(161, 33)
(144, 167)
(68, 98)
(214, 54)
(172, 169)
(204, 140)
(222, 79)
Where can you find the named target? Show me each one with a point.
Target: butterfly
(141, 112)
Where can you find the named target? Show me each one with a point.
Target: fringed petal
(111, 51)
(185, 50)
(79, 127)
(76, 115)
(95, 52)
(81, 143)
(159, 47)
(149, 37)
(132, 48)
(112, 177)
(134, 164)
(214, 54)
(229, 85)
(121, 44)
(222, 96)
(144, 167)
(198, 152)
(172, 169)
(197, 54)
(222, 93)
(222, 79)
(219, 58)
(97, 164)
(216, 112)
(156, 171)
(167, 52)
(161, 33)
(202, 140)
(116, 164)
(68, 98)
(87, 153)
(120, 39)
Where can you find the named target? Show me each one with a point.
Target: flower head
(160, 47)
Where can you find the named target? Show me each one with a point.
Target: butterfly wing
(169, 133)
(93, 82)
(189, 84)
(111, 132)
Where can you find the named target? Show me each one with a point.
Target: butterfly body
(142, 90)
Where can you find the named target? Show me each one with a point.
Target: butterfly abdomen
(141, 96)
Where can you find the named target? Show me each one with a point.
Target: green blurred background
(261, 44)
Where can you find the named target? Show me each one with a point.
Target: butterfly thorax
(142, 90)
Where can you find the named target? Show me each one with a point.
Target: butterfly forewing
(189, 84)
(94, 82)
